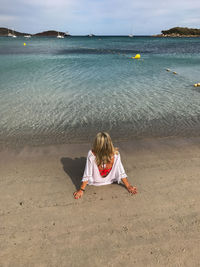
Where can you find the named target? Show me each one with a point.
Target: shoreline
(18, 144)
(42, 225)
(75, 148)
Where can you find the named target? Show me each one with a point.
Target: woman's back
(103, 165)
(92, 173)
(105, 168)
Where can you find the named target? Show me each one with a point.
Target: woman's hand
(78, 194)
(131, 189)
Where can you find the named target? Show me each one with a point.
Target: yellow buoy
(198, 84)
(137, 56)
(195, 85)
(24, 44)
(174, 72)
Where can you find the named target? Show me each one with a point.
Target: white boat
(27, 36)
(13, 35)
(131, 34)
(60, 36)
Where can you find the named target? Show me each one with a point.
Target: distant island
(51, 33)
(173, 32)
(6, 32)
(179, 32)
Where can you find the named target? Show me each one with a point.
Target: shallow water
(65, 90)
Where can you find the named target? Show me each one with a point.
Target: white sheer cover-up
(92, 174)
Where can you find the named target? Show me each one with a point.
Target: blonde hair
(103, 148)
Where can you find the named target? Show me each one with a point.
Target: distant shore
(175, 35)
(173, 32)
(180, 32)
(49, 33)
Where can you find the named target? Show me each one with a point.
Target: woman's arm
(79, 193)
(131, 189)
(87, 177)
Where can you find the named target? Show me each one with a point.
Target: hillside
(49, 33)
(5, 31)
(180, 32)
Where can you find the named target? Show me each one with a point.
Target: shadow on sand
(74, 168)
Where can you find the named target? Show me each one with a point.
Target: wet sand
(42, 225)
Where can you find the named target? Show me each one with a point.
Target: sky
(100, 17)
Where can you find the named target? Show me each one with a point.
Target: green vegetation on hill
(5, 31)
(182, 31)
(49, 33)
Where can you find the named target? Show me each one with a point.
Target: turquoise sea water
(65, 90)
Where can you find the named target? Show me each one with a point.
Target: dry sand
(42, 225)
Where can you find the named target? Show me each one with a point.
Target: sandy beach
(41, 224)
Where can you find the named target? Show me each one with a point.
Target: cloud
(99, 16)
(191, 22)
(5, 19)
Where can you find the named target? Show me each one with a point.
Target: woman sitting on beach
(103, 166)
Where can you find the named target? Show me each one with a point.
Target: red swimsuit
(104, 172)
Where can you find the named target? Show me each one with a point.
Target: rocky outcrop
(180, 32)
